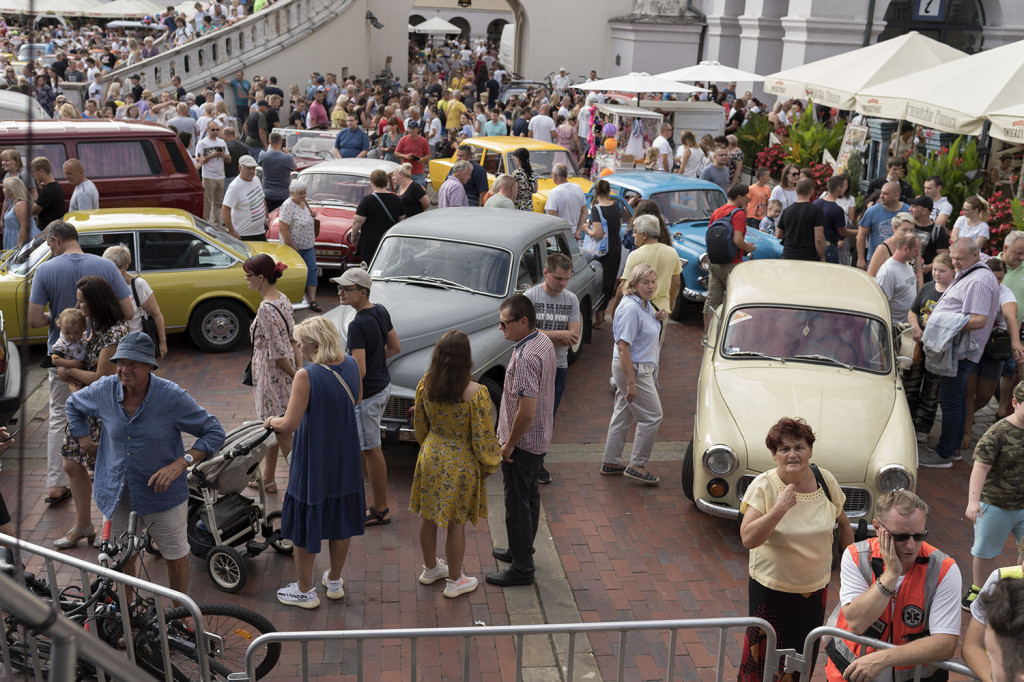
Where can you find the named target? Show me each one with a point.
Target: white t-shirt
(694, 164)
(664, 150)
(899, 282)
(583, 122)
(214, 168)
(786, 196)
(560, 82)
(144, 291)
(248, 207)
(542, 127)
(979, 230)
(567, 201)
(435, 131)
(941, 207)
(85, 197)
(943, 617)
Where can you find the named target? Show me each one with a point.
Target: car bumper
(10, 401)
(694, 295)
(720, 511)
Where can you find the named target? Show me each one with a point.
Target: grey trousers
(60, 391)
(645, 411)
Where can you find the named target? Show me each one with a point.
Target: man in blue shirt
(352, 142)
(140, 449)
(876, 223)
(476, 186)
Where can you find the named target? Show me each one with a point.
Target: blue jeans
(560, 374)
(420, 179)
(953, 399)
(832, 253)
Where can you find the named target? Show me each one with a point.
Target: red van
(133, 164)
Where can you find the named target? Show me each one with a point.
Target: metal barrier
(70, 639)
(801, 663)
(723, 625)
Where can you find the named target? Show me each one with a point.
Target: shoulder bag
(837, 548)
(384, 206)
(148, 323)
(247, 372)
(596, 248)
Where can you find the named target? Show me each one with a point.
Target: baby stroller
(223, 524)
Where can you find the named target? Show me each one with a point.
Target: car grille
(858, 500)
(397, 409)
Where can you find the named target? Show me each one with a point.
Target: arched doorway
(957, 23)
(463, 25)
(418, 39)
(494, 31)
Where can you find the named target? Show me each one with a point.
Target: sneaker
(932, 460)
(293, 596)
(464, 585)
(544, 476)
(429, 576)
(335, 588)
(969, 598)
(957, 457)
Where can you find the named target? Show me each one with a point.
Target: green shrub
(809, 139)
(952, 165)
(753, 135)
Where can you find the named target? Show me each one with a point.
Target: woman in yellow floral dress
(458, 451)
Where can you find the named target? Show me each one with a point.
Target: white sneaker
(291, 595)
(464, 585)
(335, 588)
(429, 576)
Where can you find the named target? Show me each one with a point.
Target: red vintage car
(334, 189)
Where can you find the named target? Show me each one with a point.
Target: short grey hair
(501, 183)
(461, 166)
(559, 170)
(1012, 238)
(966, 243)
(298, 185)
(119, 255)
(648, 225)
(64, 231)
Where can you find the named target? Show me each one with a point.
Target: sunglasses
(503, 324)
(903, 537)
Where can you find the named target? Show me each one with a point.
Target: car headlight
(894, 477)
(704, 262)
(720, 460)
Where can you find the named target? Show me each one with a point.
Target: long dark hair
(524, 160)
(450, 368)
(104, 309)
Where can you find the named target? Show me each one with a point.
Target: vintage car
(334, 189)
(686, 204)
(10, 376)
(782, 346)
(308, 147)
(450, 269)
(194, 268)
(494, 154)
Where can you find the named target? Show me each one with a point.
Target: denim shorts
(309, 256)
(989, 369)
(167, 528)
(1009, 366)
(992, 529)
(368, 415)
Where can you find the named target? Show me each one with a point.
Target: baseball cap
(354, 277)
(189, 95)
(321, 79)
(922, 201)
(413, 124)
(561, 68)
(247, 160)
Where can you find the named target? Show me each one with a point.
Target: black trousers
(522, 506)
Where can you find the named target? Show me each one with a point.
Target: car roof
(507, 228)
(358, 166)
(130, 218)
(84, 128)
(652, 182)
(506, 143)
(799, 283)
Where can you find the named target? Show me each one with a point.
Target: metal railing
(70, 640)
(802, 662)
(468, 634)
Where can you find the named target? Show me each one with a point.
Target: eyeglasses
(903, 537)
(503, 324)
(794, 172)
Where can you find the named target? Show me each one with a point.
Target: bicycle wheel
(238, 626)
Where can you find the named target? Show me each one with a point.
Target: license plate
(319, 271)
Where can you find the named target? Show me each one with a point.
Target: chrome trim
(704, 262)
(887, 467)
(694, 296)
(717, 510)
(729, 451)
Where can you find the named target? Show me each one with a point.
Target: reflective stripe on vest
(913, 603)
(1016, 572)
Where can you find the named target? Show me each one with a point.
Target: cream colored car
(810, 340)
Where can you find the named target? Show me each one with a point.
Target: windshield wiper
(437, 281)
(824, 358)
(752, 354)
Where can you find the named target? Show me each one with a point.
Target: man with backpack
(725, 249)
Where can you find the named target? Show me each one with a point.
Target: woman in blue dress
(325, 499)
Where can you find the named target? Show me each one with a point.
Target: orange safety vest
(913, 604)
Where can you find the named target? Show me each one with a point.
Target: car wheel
(216, 326)
(577, 350)
(679, 309)
(494, 388)
(688, 472)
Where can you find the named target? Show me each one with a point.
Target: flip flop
(377, 518)
(60, 498)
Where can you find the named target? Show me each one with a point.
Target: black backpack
(719, 241)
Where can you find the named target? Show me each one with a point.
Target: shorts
(1010, 366)
(309, 256)
(167, 528)
(992, 529)
(254, 237)
(989, 370)
(368, 415)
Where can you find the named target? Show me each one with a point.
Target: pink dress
(564, 134)
(271, 339)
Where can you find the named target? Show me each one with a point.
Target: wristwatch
(189, 459)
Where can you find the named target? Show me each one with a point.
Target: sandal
(377, 518)
(269, 488)
(315, 307)
(60, 498)
(612, 469)
(74, 536)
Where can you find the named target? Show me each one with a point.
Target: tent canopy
(836, 81)
(710, 71)
(1008, 124)
(128, 9)
(635, 112)
(952, 97)
(638, 82)
(436, 25)
(68, 8)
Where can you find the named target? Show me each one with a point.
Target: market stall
(636, 129)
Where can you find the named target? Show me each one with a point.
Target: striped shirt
(975, 291)
(530, 373)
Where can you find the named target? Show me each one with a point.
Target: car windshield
(542, 160)
(317, 147)
(691, 204)
(808, 335)
(224, 237)
(336, 187)
(435, 262)
(23, 260)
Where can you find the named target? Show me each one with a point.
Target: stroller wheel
(281, 545)
(227, 569)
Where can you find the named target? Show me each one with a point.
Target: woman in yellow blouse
(458, 451)
(788, 520)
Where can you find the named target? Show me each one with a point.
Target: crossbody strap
(341, 381)
(384, 206)
(821, 481)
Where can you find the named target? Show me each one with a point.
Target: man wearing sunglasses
(899, 589)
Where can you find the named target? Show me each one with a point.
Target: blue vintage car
(686, 204)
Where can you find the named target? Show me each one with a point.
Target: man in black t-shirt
(50, 204)
(297, 119)
(835, 219)
(802, 226)
(934, 238)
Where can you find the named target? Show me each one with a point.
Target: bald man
(86, 196)
(876, 223)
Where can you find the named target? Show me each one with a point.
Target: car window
(682, 205)
(54, 152)
(23, 260)
(530, 269)
(169, 250)
(481, 268)
(557, 243)
(107, 159)
(500, 167)
(223, 236)
(337, 187)
(98, 242)
(475, 152)
(542, 160)
(809, 335)
(492, 162)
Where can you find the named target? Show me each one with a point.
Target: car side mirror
(903, 362)
(906, 343)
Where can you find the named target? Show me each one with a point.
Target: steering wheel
(821, 347)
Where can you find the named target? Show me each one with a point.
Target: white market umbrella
(638, 82)
(73, 8)
(14, 6)
(836, 81)
(710, 71)
(966, 90)
(128, 9)
(1008, 124)
(436, 26)
(188, 8)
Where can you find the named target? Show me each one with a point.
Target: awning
(436, 25)
(636, 112)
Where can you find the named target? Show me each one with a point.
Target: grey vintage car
(450, 269)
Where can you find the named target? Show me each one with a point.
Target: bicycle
(229, 628)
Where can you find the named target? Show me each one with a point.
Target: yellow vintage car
(194, 268)
(495, 155)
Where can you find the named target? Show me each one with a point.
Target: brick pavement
(626, 552)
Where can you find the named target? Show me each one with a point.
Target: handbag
(247, 372)
(837, 548)
(596, 248)
(316, 227)
(148, 323)
(998, 347)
